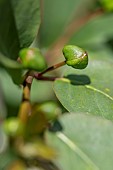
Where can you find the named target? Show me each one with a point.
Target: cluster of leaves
(81, 138)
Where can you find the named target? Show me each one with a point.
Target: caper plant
(72, 129)
(34, 119)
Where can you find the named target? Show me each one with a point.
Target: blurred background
(85, 23)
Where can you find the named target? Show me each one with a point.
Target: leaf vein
(99, 91)
(76, 149)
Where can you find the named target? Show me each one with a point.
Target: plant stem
(45, 78)
(50, 69)
(26, 88)
(25, 107)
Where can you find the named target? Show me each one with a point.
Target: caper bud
(75, 56)
(32, 58)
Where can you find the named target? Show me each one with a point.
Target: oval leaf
(85, 143)
(9, 43)
(20, 21)
(13, 68)
(89, 91)
(27, 18)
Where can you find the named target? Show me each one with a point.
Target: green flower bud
(75, 56)
(50, 109)
(32, 59)
(13, 127)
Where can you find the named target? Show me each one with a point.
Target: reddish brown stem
(52, 68)
(45, 78)
(25, 108)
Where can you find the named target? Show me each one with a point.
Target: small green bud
(75, 56)
(32, 59)
(50, 109)
(13, 127)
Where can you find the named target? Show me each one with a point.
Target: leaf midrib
(77, 150)
(87, 86)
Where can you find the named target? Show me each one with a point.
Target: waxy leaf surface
(89, 90)
(85, 143)
(20, 21)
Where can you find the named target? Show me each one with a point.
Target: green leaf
(8, 86)
(13, 68)
(89, 91)
(84, 144)
(9, 43)
(27, 17)
(57, 16)
(8, 63)
(19, 25)
(41, 91)
(95, 32)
